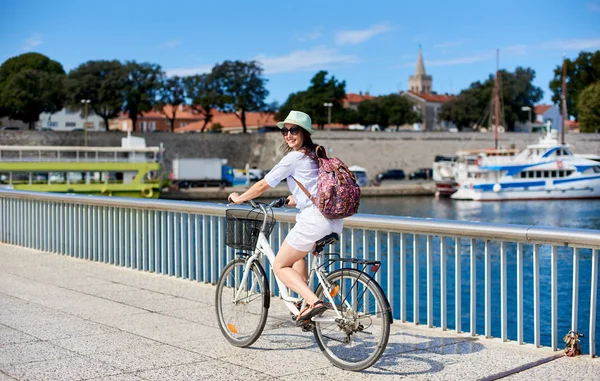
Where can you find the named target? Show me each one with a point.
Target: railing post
(457, 285)
(416, 278)
(443, 313)
(520, 293)
(429, 281)
(488, 289)
(554, 283)
(503, 295)
(473, 285)
(593, 298)
(575, 299)
(536, 295)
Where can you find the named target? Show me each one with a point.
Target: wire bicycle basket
(242, 227)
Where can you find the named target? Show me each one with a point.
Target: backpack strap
(321, 152)
(311, 198)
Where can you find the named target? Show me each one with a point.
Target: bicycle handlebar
(277, 203)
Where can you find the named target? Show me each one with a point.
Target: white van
(361, 175)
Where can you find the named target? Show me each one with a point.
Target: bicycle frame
(263, 248)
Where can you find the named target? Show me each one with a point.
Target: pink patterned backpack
(338, 194)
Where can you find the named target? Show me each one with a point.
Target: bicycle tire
(349, 346)
(242, 322)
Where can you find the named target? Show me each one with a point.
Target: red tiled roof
(231, 121)
(541, 109)
(183, 112)
(571, 123)
(428, 97)
(357, 98)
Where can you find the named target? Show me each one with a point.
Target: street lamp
(329, 105)
(86, 102)
(527, 108)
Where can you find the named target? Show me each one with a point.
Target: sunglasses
(293, 130)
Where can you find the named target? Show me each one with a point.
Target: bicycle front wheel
(358, 338)
(242, 305)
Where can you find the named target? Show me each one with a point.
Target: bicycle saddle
(327, 240)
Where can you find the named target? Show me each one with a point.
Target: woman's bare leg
(301, 268)
(285, 259)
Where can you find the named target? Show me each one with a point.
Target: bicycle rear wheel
(358, 340)
(242, 307)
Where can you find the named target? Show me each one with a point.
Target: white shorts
(310, 227)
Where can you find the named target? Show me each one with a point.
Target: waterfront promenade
(63, 318)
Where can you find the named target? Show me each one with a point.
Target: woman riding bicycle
(299, 165)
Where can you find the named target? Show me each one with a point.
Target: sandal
(309, 312)
(298, 305)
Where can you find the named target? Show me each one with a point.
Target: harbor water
(584, 214)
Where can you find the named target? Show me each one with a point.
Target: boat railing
(493, 280)
(78, 154)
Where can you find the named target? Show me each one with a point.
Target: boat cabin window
(553, 174)
(597, 169)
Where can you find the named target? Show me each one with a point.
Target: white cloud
(311, 36)
(354, 37)
(575, 44)
(514, 50)
(182, 72)
(172, 43)
(302, 60)
(32, 42)
(450, 44)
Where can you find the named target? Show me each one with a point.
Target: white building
(69, 120)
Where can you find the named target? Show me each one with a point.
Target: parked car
(391, 174)
(361, 175)
(13, 128)
(421, 173)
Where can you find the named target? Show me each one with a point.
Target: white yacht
(547, 170)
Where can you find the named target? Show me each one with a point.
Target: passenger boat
(547, 170)
(131, 170)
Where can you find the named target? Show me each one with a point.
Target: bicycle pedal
(307, 328)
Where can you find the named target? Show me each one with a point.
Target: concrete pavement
(69, 319)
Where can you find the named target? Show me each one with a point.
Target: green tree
(589, 108)
(321, 90)
(581, 73)
(474, 105)
(205, 94)
(102, 82)
(141, 89)
(243, 88)
(172, 94)
(385, 111)
(30, 84)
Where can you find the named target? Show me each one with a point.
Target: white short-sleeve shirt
(304, 169)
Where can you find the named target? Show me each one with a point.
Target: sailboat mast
(496, 111)
(564, 100)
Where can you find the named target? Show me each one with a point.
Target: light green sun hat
(298, 118)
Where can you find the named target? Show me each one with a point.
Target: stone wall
(375, 151)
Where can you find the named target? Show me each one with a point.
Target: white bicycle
(353, 332)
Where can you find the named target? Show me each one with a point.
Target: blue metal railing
(486, 279)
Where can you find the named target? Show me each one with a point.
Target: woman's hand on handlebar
(235, 198)
(291, 201)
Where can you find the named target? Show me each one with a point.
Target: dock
(63, 318)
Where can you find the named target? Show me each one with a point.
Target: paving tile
(76, 328)
(148, 357)
(33, 351)
(74, 368)
(88, 345)
(207, 370)
(13, 336)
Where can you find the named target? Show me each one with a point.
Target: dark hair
(308, 146)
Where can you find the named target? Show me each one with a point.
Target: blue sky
(372, 45)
